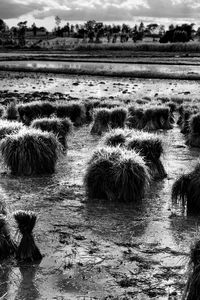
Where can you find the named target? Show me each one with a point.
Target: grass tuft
(60, 127)
(27, 250)
(117, 175)
(30, 152)
(101, 121)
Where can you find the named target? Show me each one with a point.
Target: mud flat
(97, 249)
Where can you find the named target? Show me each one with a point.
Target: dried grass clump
(89, 106)
(11, 112)
(185, 122)
(7, 246)
(117, 175)
(74, 111)
(30, 152)
(118, 117)
(27, 250)
(2, 111)
(157, 118)
(60, 127)
(101, 121)
(9, 127)
(116, 137)
(192, 289)
(193, 138)
(151, 148)
(36, 109)
(135, 118)
(186, 190)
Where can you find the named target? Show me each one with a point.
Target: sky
(43, 12)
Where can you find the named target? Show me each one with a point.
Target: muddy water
(100, 249)
(108, 67)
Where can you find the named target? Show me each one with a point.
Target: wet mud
(98, 249)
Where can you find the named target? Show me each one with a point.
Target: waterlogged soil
(81, 87)
(98, 249)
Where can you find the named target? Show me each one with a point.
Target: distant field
(157, 47)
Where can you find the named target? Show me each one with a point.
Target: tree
(34, 28)
(58, 21)
(21, 33)
(3, 26)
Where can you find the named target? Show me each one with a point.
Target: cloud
(122, 9)
(101, 10)
(14, 9)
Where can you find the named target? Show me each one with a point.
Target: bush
(7, 127)
(186, 190)
(30, 152)
(118, 117)
(60, 127)
(116, 174)
(101, 121)
(33, 110)
(75, 111)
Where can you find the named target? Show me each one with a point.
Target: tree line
(94, 32)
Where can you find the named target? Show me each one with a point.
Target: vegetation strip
(133, 74)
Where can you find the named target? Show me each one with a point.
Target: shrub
(33, 110)
(116, 174)
(186, 190)
(75, 111)
(60, 127)
(27, 249)
(151, 148)
(7, 127)
(118, 117)
(101, 121)
(30, 152)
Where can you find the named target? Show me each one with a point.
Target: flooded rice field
(98, 249)
(102, 67)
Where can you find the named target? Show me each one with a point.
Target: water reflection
(28, 288)
(157, 68)
(5, 271)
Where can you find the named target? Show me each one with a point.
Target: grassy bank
(157, 47)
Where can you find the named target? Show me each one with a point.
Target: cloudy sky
(43, 12)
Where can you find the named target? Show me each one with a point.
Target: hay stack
(116, 174)
(30, 152)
